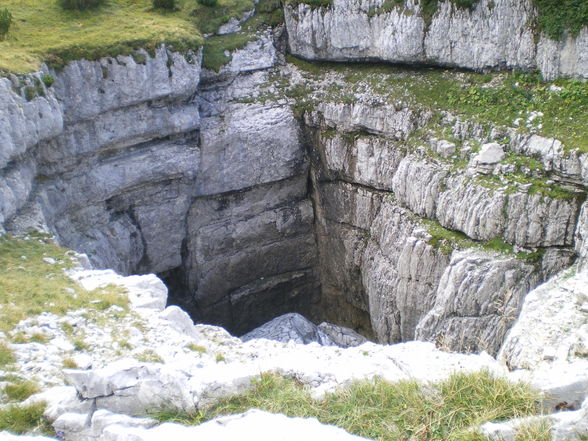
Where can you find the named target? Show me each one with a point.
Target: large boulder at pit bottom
(294, 327)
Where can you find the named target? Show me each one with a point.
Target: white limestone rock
(83, 427)
(478, 299)
(552, 324)
(489, 154)
(253, 425)
(479, 38)
(134, 388)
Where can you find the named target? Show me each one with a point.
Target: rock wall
(420, 243)
(495, 35)
(356, 213)
(146, 170)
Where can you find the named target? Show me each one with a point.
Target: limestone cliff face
(354, 213)
(496, 34)
(145, 170)
(386, 212)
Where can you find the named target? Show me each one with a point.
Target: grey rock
(134, 388)
(477, 300)
(552, 324)
(341, 336)
(475, 39)
(290, 327)
(490, 153)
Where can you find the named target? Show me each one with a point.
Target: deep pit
(250, 201)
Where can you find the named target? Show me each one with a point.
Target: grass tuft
(25, 419)
(20, 391)
(6, 356)
(383, 411)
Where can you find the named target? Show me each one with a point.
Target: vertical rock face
(145, 170)
(495, 34)
(356, 214)
(420, 245)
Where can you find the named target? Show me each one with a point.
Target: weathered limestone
(477, 300)
(479, 39)
(296, 328)
(553, 324)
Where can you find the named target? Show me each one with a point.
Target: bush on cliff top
(80, 4)
(5, 22)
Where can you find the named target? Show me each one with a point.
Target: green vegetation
(216, 48)
(558, 16)
(69, 363)
(20, 390)
(383, 411)
(149, 356)
(534, 432)
(5, 23)
(25, 419)
(42, 30)
(197, 348)
(448, 240)
(80, 4)
(164, 4)
(499, 99)
(209, 3)
(30, 286)
(6, 356)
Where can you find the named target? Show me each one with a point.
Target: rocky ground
(122, 366)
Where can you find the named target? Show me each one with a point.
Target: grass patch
(30, 286)
(20, 391)
(25, 419)
(149, 356)
(499, 99)
(197, 348)
(540, 431)
(6, 356)
(448, 240)
(42, 30)
(69, 363)
(217, 48)
(557, 16)
(385, 412)
(209, 19)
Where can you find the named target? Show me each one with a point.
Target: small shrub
(149, 356)
(80, 345)
(48, 80)
(5, 22)
(196, 348)
(209, 3)
(30, 93)
(164, 4)
(79, 4)
(220, 357)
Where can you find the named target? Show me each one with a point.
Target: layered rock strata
(493, 35)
